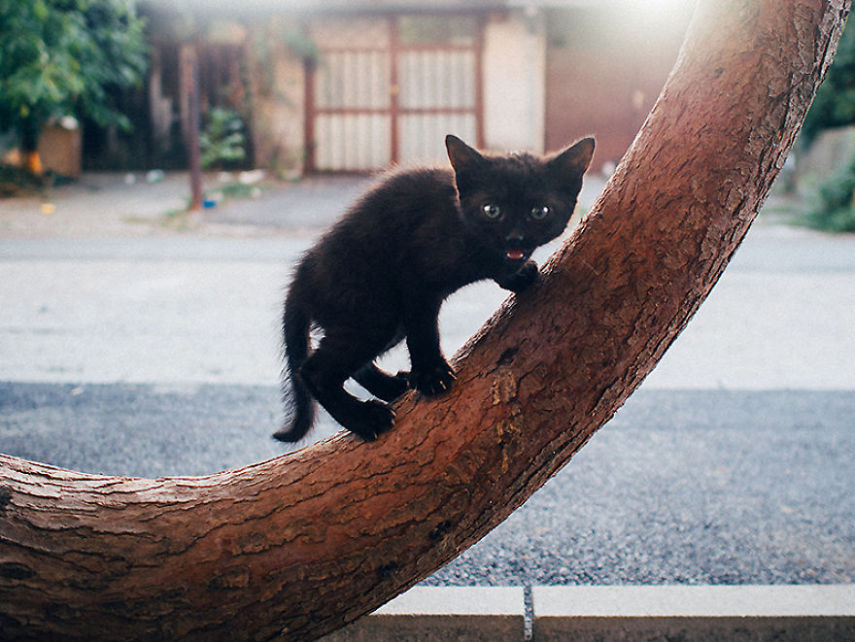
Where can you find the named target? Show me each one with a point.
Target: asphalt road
(731, 464)
(719, 487)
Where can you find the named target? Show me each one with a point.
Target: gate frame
(395, 111)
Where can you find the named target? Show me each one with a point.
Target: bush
(67, 58)
(223, 140)
(834, 210)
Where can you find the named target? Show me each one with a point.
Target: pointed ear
(575, 159)
(462, 156)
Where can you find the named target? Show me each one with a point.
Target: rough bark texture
(298, 546)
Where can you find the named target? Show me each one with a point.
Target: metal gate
(387, 90)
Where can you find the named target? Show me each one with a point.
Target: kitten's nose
(514, 239)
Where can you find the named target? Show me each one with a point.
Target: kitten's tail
(295, 325)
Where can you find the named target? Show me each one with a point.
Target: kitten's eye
(491, 211)
(538, 213)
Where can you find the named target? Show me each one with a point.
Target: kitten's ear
(462, 156)
(575, 159)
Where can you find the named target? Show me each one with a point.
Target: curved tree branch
(300, 545)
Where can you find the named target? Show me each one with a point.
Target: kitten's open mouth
(515, 255)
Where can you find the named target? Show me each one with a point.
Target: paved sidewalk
(116, 205)
(99, 206)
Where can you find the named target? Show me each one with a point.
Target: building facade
(331, 86)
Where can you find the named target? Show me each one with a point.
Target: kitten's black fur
(380, 275)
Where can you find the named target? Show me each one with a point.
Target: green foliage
(834, 105)
(66, 57)
(834, 210)
(222, 141)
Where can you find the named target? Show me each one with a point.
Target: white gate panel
(377, 99)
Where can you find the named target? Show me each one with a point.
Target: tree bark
(302, 544)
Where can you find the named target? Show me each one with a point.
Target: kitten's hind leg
(381, 384)
(325, 372)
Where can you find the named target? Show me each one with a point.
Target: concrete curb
(440, 613)
(791, 612)
(803, 612)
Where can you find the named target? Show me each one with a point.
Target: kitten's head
(518, 202)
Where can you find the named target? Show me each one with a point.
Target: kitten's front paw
(521, 279)
(433, 381)
(374, 419)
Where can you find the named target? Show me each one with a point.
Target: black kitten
(382, 272)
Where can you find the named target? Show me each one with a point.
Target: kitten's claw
(434, 381)
(374, 419)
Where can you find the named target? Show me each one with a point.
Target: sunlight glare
(660, 15)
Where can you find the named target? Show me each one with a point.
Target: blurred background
(325, 86)
(314, 85)
(166, 162)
